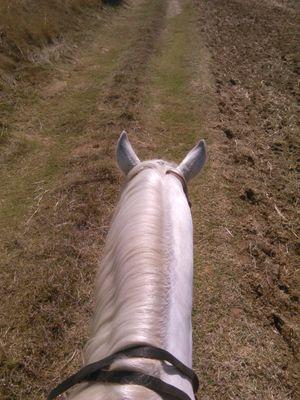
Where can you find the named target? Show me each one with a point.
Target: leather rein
(99, 372)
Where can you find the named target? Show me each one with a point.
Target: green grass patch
(172, 98)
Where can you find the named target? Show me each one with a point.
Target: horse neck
(144, 284)
(180, 243)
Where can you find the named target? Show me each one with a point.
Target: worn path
(150, 68)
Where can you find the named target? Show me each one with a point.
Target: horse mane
(132, 282)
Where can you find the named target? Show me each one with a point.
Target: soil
(255, 62)
(225, 70)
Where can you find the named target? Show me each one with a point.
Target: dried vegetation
(255, 62)
(27, 26)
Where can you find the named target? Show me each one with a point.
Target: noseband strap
(98, 372)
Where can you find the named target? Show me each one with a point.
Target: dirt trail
(165, 83)
(174, 8)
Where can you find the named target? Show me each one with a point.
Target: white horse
(144, 284)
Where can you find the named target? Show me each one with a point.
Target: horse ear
(126, 156)
(194, 161)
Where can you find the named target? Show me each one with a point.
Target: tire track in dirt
(182, 108)
(124, 93)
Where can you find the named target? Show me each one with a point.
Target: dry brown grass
(39, 32)
(35, 36)
(27, 24)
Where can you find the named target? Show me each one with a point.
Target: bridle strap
(173, 172)
(94, 373)
(183, 182)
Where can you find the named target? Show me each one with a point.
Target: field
(225, 70)
(35, 32)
